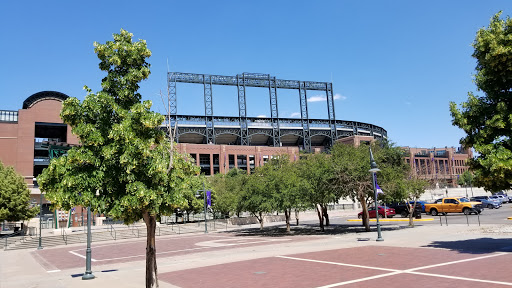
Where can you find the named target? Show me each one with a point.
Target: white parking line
(407, 271)
(81, 256)
(188, 249)
(341, 264)
(53, 271)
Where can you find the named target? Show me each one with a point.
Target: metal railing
(114, 234)
(64, 235)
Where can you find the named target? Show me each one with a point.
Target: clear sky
(395, 64)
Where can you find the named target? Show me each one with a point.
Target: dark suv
(402, 209)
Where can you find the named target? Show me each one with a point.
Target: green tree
(226, 191)
(487, 119)
(285, 186)
(317, 170)
(124, 166)
(14, 196)
(353, 179)
(193, 204)
(466, 179)
(256, 197)
(408, 191)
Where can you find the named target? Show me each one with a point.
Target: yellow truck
(454, 205)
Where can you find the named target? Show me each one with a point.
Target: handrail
(115, 232)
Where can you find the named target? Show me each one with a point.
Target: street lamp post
(204, 203)
(40, 220)
(373, 170)
(88, 273)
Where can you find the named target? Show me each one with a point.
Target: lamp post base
(88, 276)
(379, 239)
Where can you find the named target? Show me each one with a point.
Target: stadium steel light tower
(374, 170)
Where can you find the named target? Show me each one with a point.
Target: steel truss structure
(244, 128)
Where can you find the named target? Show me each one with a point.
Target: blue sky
(395, 64)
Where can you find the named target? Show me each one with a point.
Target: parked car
(501, 198)
(389, 212)
(487, 201)
(505, 196)
(454, 205)
(422, 204)
(402, 209)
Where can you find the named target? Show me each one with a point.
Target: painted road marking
(340, 264)
(53, 271)
(218, 243)
(205, 244)
(407, 271)
(80, 255)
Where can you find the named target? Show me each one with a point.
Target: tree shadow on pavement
(306, 229)
(475, 246)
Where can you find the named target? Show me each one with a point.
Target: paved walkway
(453, 256)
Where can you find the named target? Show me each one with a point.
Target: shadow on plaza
(475, 246)
(311, 229)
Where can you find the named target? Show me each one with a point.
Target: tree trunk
(287, 213)
(320, 216)
(151, 269)
(366, 220)
(326, 215)
(412, 209)
(297, 216)
(260, 219)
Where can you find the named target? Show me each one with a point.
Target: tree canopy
(487, 119)
(121, 167)
(14, 196)
(351, 174)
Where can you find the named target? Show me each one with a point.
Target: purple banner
(209, 198)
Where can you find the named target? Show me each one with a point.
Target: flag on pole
(379, 191)
(377, 187)
(209, 198)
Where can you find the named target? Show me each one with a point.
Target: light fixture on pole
(204, 203)
(373, 170)
(40, 218)
(88, 272)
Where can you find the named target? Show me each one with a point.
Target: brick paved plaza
(441, 256)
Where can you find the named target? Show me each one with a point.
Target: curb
(398, 220)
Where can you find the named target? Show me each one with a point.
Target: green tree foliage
(318, 170)
(351, 174)
(408, 191)
(14, 196)
(193, 204)
(257, 198)
(122, 166)
(284, 183)
(226, 191)
(487, 119)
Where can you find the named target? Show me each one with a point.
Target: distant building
(440, 166)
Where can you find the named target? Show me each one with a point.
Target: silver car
(487, 202)
(501, 198)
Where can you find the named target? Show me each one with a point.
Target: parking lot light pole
(204, 203)
(88, 273)
(373, 170)
(40, 219)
